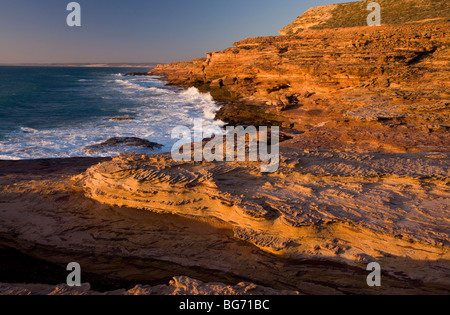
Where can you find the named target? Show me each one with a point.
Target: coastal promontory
(363, 177)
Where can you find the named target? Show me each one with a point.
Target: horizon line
(84, 64)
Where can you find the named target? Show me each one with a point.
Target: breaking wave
(143, 107)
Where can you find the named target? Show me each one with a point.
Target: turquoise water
(51, 112)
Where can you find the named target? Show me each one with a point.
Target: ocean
(56, 112)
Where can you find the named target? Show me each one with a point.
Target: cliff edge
(360, 88)
(354, 14)
(363, 174)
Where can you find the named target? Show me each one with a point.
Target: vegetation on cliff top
(352, 14)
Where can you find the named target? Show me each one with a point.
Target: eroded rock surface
(177, 286)
(356, 88)
(363, 176)
(45, 215)
(339, 206)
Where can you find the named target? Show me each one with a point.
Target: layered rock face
(363, 175)
(46, 216)
(375, 88)
(348, 208)
(311, 228)
(376, 58)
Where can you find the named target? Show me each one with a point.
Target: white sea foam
(155, 110)
(203, 100)
(144, 86)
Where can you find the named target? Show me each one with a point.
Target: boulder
(118, 142)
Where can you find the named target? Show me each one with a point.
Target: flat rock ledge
(351, 208)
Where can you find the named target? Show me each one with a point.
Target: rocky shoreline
(363, 178)
(311, 228)
(360, 88)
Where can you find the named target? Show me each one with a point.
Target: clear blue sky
(34, 31)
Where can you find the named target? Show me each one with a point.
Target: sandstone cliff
(376, 88)
(363, 177)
